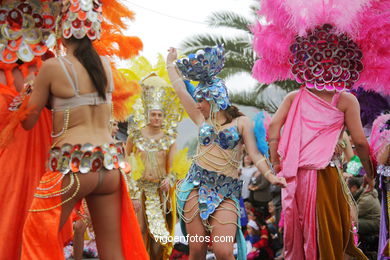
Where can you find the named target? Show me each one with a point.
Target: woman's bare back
(87, 123)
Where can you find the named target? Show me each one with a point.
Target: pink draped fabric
(307, 144)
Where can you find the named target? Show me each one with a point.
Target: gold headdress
(27, 29)
(153, 92)
(156, 93)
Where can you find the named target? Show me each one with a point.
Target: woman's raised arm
(180, 88)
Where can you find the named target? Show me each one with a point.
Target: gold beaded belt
(86, 158)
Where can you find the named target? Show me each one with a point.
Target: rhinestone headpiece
(27, 29)
(325, 60)
(81, 18)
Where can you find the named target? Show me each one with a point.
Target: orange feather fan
(112, 41)
(114, 44)
(114, 11)
(122, 95)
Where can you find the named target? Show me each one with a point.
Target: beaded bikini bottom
(72, 160)
(86, 158)
(213, 188)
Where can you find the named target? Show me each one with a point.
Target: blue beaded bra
(227, 138)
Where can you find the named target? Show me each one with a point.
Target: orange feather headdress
(103, 22)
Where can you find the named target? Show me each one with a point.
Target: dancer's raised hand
(172, 55)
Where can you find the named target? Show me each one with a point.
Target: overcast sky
(162, 24)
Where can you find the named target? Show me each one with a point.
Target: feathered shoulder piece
(114, 44)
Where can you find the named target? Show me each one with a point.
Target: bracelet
(273, 140)
(176, 80)
(267, 172)
(259, 161)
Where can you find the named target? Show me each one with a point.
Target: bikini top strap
(72, 82)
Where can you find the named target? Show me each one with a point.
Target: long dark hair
(88, 57)
(230, 113)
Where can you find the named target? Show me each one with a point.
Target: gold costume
(149, 158)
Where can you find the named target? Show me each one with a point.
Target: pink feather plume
(367, 22)
(273, 64)
(378, 138)
(374, 40)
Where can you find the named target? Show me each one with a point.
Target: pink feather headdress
(380, 134)
(336, 31)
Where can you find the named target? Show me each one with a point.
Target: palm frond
(250, 98)
(244, 63)
(245, 98)
(254, 8)
(287, 85)
(230, 20)
(239, 55)
(235, 44)
(263, 96)
(228, 72)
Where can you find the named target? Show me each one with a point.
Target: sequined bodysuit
(214, 175)
(214, 172)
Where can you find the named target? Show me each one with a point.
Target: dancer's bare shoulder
(287, 101)
(290, 96)
(347, 101)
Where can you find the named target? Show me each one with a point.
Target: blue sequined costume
(226, 138)
(213, 187)
(219, 150)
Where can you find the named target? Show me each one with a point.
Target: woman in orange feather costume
(83, 161)
(24, 41)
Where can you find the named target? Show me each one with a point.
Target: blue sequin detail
(213, 188)
(203, 67)
(227, 138)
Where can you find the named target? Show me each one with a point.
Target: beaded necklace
(229, 159)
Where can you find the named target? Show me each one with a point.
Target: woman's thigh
(224, 223)
(194, 227)
(105, 210)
